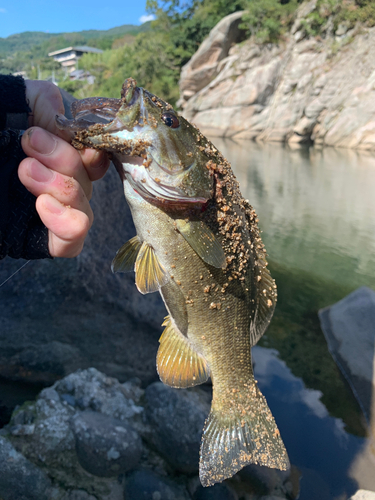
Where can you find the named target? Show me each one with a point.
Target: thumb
(45, 102)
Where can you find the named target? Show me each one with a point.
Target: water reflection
(316, 442)
(317, 213)
(316, 207)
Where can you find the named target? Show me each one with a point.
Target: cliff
(300, 90)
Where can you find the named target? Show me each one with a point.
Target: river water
(317, 213)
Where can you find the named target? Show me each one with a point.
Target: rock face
(305, 89)
(89, 437)
(349, 329)
(203, 66)
(60, 315)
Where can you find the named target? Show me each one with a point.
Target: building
(82, 75)
(68, 58)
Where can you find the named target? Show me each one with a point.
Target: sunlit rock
(308, 89)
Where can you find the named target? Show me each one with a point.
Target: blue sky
(56, 16)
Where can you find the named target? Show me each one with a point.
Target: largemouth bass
(199, 245)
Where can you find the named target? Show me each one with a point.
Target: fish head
(160, 153)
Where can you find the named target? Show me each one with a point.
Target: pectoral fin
(150, 274)
(203, 241)
(178, 364)
(126, 256)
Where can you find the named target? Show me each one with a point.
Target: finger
(67, 226)
(45, 101)
(39, 180)
(95, 162)
(56, 154)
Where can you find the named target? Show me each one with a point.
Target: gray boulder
(219, 491)
(19, 478)
(202, 67)
(105, 446)
(177, 418)
(81, 440)
(80, 433)
(363, 495)
(349, 329)
(146, 485)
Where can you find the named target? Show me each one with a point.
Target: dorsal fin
(178, 364)
(126, 256)
(203, 241)
(150, 274)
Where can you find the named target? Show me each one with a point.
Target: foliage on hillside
(24, 51)
(154, 57)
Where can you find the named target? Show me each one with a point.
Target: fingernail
(42, 141)
(97, 160)
(40, 173)
(54, 206)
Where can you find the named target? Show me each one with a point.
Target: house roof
(78, 48)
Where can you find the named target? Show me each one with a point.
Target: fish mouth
(104, 110)
(152, 188)
(98, 109)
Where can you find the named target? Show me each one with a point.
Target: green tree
(189, 22)
(268, 20)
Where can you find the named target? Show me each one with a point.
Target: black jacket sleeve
(22, 233)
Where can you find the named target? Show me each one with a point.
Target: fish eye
(170, 120)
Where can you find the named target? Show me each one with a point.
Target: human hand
(57, 174)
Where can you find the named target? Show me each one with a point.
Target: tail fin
(242, 435)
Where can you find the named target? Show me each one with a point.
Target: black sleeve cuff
(22, 233)
(14, 109)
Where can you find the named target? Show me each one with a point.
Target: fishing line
(11, 276)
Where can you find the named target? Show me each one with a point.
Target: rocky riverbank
(304, 89)
(89, 437)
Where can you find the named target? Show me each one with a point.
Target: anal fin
(150, 274)
(126, 256)
(178, 364)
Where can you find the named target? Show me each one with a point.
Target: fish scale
(198, 243)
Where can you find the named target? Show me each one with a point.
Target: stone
(304, 127)
(105, 446)
(201, 69)
(219, 491)
(271, 482)
(19, 478)
(177, 418)
(92, 390)
(349, 329)
(146, 485)
(363, 495)
(80, 432)
(77, 495)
